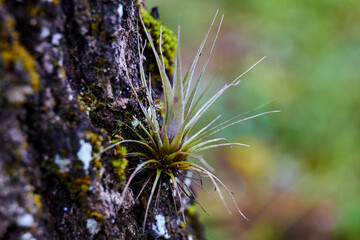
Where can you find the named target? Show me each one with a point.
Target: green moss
(119, 127)
(120, 164)
(13, 52)
(168, 41)
(91, 105)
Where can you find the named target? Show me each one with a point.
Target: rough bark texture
(65, 68)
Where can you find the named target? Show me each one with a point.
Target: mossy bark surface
(65, 69)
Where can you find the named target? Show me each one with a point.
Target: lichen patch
(84, 154)
(160, 227)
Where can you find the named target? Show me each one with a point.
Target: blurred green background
(301, 177)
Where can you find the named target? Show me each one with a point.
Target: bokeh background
(301, 177)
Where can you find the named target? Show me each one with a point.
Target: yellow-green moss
(81, 184)
(96, 162)
(168, 40)
(160, 106)
(36, 11)
(191, 210)
(95, 140)
(93, 214)
(37, 202)
(12, 51)
(120, 164)
(88, 101)
(193, 220)
(182, 224)
(96, 143)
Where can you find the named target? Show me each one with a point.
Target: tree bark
(65, 69)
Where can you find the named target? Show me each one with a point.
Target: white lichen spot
(45, 32)
(70, 97)
(134, 123)
(26, 220)
(84, 153)
(60, 62)
(190, 237)
(160, 227)
(120, 10)
(49, 67)
(56, 39)
(62, 163)
(27, 236)
(88, 111)
(18, 95)
(91, 225)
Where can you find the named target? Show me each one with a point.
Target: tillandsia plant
(165, 133)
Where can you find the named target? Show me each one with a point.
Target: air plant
(168, 145)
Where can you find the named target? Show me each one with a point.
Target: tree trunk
(65, 68)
